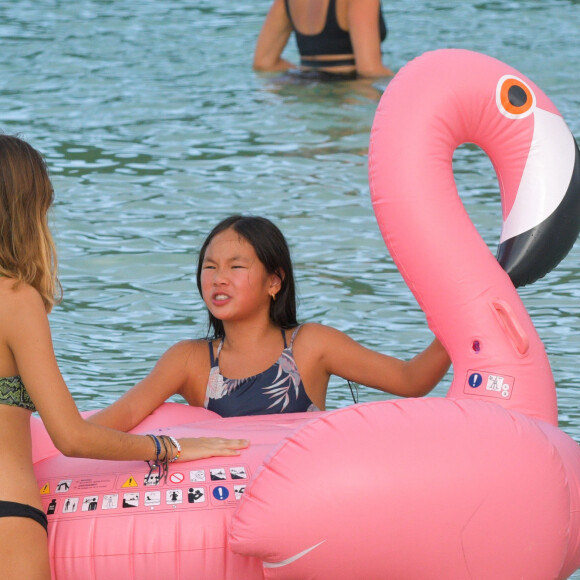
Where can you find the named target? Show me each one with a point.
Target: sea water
(155, 127)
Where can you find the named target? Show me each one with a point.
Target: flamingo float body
(480, 484)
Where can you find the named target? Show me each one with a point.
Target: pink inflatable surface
(109, 520)
(478, 485)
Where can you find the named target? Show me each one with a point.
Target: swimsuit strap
(217, 354)
(313, 63)
(294, 336)
(211, 360)
(214, 361)
(330, 14)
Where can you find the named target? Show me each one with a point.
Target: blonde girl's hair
(27, 250)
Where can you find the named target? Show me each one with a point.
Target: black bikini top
(332, 39)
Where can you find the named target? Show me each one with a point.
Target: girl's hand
(202, 447)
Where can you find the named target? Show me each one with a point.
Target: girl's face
(234, 283)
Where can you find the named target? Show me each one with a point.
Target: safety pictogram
(176, 477)
(131, 500)
(218, 474)
(130, 482)
(70, 505)
(90, 503)
(152, 498)
(221, 493)
(173, 496)
(238, 473)
(63, 486)
(197, 475)
(110, 501)
(196, 495)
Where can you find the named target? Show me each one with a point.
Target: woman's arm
(27, 335)
(169, 377)
(363, 25)
(335, 353)
(272, 39)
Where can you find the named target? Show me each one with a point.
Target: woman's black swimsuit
(332, 40)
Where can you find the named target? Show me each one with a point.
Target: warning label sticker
(141, 491)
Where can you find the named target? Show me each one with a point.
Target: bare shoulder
(20, 304)
(317, 337)
(15, 294)
(187, 352)
(323, 341)
(24, 328)
(315, 330)
(185, 369)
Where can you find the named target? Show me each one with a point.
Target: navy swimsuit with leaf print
(278, 389)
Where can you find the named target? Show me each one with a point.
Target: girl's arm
(363, 24)
(340, 355)
(27, 335)
(169, 377)
(272, 39)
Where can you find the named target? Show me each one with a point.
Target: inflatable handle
(511, 327)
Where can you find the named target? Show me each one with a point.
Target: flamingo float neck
(470, 302)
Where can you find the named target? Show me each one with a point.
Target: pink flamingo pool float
(481, 484)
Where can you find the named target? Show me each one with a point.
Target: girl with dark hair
(272, 251)
(257, 359)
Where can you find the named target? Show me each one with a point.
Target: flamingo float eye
(514, 98)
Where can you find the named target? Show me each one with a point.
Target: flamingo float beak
(537, 236)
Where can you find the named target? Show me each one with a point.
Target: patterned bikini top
(278, 389)
(14, 393)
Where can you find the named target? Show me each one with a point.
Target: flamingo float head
(437, 102)
(542, 208)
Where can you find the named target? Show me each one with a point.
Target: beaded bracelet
(162, 463)
(166, 456)
(177, 446)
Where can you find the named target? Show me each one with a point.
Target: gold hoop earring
(273, 296)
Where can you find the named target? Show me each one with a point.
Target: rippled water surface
(155, 127)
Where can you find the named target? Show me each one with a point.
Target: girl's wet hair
(272, 250)
(27, 251)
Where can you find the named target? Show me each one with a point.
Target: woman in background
(335, 38)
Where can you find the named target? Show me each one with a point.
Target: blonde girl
(30, 377)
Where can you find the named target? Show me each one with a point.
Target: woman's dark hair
(272, 250)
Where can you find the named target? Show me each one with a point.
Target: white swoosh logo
(292, 558)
